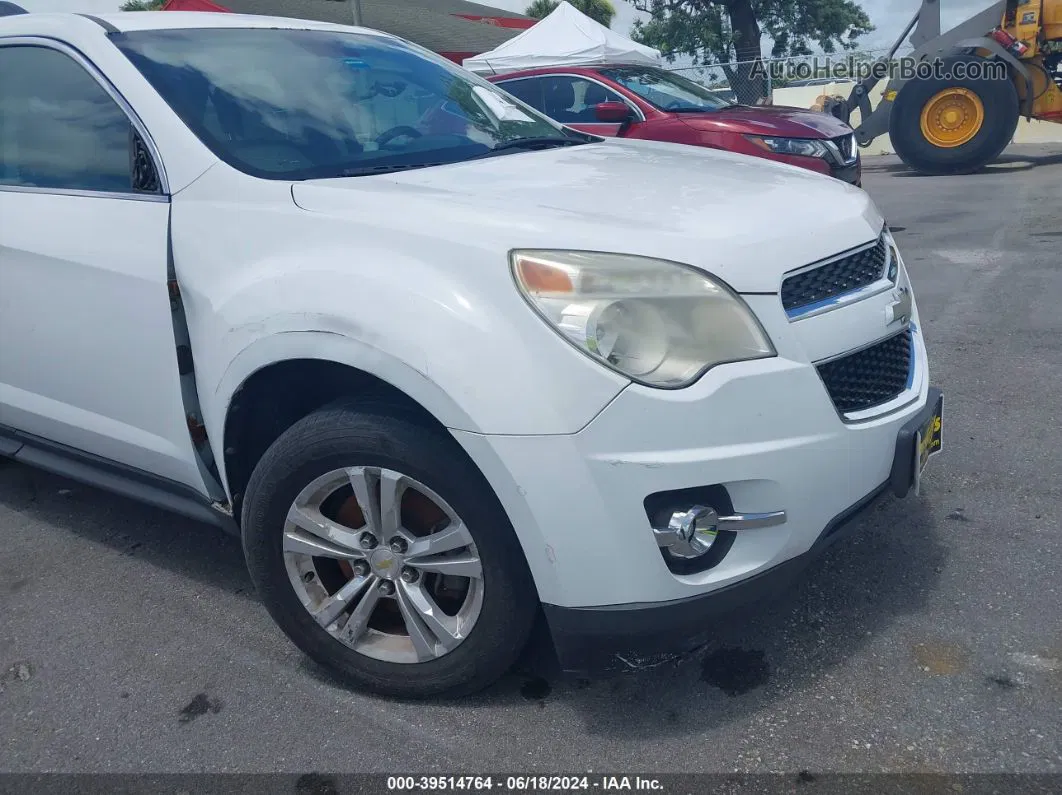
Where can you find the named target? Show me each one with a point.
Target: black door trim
(114, 477)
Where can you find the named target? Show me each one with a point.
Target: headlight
(805, 147)
(656, 322)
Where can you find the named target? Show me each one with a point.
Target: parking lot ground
(930, 640)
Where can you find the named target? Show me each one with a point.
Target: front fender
(326, 346)
(436, 315)
(476, 361)
(329, 346)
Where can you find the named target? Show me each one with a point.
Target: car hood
(745, 219)
(770, 120)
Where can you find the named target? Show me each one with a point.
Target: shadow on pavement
(185, 547)
(1005, 163)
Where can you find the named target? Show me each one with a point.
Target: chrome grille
(870, 377)
(807, 288)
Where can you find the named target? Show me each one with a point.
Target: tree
(728, 31)
(143, 5)
(601, 11)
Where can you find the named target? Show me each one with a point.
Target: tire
(384, 439)
(999, 99)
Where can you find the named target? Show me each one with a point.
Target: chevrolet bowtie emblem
(900, 308)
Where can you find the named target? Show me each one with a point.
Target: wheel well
(276, 397)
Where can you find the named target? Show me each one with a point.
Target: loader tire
(956, 124)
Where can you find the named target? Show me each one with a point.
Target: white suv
(446, 366)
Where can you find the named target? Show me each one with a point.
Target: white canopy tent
(566, 37)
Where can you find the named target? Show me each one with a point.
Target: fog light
(690, 533)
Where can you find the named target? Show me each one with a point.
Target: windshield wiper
(364, 171)
(544, 142)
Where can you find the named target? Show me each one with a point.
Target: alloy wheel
(383, 564)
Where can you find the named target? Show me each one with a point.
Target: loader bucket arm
(928, 43)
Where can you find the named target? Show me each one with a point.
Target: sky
(889, 16)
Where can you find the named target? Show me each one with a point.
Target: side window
(59, 128)
(564, 98)
(528, 90)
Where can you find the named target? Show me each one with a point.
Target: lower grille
(869, 377)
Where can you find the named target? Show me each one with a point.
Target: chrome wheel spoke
(325, 537)
(379, 494)
(302, 543)
(430, 553)
(332, 607)
(358, 621)
(454, 536)
(464, 566)
(431, 631)
(392, 485)
(364, 484)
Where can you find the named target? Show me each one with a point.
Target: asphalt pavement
(930, 640)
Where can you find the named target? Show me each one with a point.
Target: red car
(655, 104)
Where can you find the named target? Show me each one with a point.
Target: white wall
(806, 96)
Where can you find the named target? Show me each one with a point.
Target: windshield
(304, 104)
(666, 90)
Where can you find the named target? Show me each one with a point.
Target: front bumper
(614, 638)
(620, 637)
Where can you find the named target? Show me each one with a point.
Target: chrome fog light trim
(691, 533)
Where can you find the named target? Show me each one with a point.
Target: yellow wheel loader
(953, 104)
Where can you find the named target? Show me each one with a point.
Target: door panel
(87, 351)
